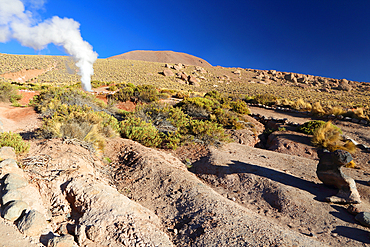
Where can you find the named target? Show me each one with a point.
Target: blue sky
(329, 38)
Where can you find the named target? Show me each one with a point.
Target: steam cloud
(17, 23)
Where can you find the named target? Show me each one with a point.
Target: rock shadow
(353, 233)
(204, 167)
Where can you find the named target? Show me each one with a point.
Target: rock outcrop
(330, 173)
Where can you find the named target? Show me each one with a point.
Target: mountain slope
(163, 57)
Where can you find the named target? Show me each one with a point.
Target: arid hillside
(170, 154)
(163, 57)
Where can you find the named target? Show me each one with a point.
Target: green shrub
(96, 84)
(198, 106)
(264, 99)
(207, 132)
(14, 140)
(8, 93)
(240, 107)
(143, 93)
(138, 130)
(310, 127)
(226, 118)
(112, 88)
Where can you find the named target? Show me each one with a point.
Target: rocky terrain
(261, 189)
(230, 196)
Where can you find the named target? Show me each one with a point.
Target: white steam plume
(17, 23)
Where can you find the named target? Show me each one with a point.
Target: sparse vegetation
(329, 137)
(311, 127)
(8, 93)
(14, 140)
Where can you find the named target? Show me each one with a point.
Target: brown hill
(163, 57)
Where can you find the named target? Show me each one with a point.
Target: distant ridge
(163, 57)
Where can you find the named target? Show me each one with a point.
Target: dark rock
(32, 224)
(363, 218)
(330, 173)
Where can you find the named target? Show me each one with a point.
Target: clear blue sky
(328, 38)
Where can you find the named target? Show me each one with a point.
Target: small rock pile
(16, 206)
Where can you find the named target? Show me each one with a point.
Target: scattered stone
(330, 173)
(32, 224)
(290, 77)
(7, 153)
(237, 72)
(168, 73)
(94, 232)
(363, 218)
(14, 210)
(11, 195)
(352, 209)
(62, 241)
(193, 80)
(183, 76)
(14, 181)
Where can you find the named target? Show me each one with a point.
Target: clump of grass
(301, 105)
(311, 127)
(317, 109)
(14, 140)
(264, 99)
(329, 137)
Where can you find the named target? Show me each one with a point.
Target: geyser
(17, 23)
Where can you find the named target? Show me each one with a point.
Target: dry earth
(235, 195)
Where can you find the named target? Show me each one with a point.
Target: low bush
(80, 122)
(14, 140)
(240, 107)
(264, 99)
(317, 109)
(207, 132)
(138, 130)
(198, 107)
(301, 105)
(8, 93)
(142, 93)
(311, 127)
(51, 99)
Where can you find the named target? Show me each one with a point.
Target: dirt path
(18, 119)
(11, 237)
(358, 132)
